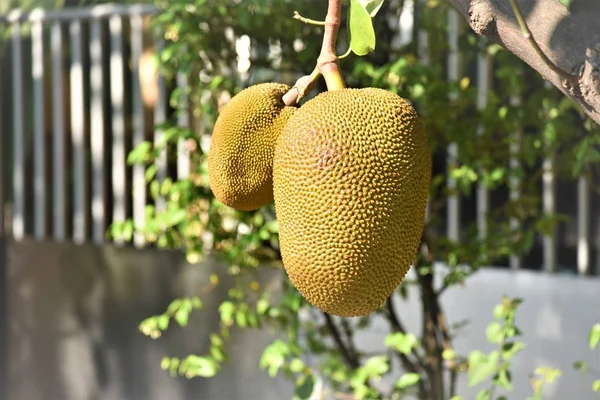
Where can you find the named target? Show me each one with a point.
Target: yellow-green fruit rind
(240, 157)
(351, 178)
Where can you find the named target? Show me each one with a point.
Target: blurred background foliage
(205, 39)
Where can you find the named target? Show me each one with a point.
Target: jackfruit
(240, 156)
(351, 179)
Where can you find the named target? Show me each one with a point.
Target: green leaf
(376, 366)
(400, 342)
(448, 354)
(274, 356)
(481, 366)
(162, 322)
(226, 310)
(483, 394)
(360, 29)
(140, 153)
(494, 332)
(596, 385)
(241, 318)
(595, 336)
(509, 349)
(217, 353)
(407, 380)
(566, 3)
(151, 172)
(296, 365)
(182, 317)
(549, 374)
(200, 366)
(304, 387)
(580, 365)
(262, 305)
(504, 379)
(372, 6)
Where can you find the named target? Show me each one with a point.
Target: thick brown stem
(327, 63)
(568, 38)
(431, 338)
(349, 358)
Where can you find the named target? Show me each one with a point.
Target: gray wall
(74, 312)
(74, 315)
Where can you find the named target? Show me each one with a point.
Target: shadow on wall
(75, 311)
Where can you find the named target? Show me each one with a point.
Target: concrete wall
(74, 317)
(74, 312)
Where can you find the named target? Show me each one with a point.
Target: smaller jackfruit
(240, 157)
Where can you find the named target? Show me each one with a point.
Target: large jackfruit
(240, 157)
(351, 178)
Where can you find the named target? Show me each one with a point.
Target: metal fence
(86, 145)
(68, 172)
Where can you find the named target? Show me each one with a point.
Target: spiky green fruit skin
(240, 157)
(351, 179)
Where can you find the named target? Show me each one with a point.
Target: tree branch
(327, 63)
(408, 364)
(397, 326)
(570, 41)
(431, 337)
(349, 358)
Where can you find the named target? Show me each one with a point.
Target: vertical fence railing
(18, 167)
(139, 187)
(58, 135)
(77, 134)
(4, 285)
(117, 85)
(483, 88)
(583, 227)
(39, 139)
(183, 156)
(454, 64)
(514, 190)
(159, 118)
(77, 186)
(83, 178)
(549, 207)
(97, 145)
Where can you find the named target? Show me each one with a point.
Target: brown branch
(349, 358)
(327, 63)
(349, 337)
(409, 365)
(431, 339)
(569, 39)
(443, 288)
(397, 326)
(445, 331)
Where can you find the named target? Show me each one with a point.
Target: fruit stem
(301, 88)
(327, 63)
